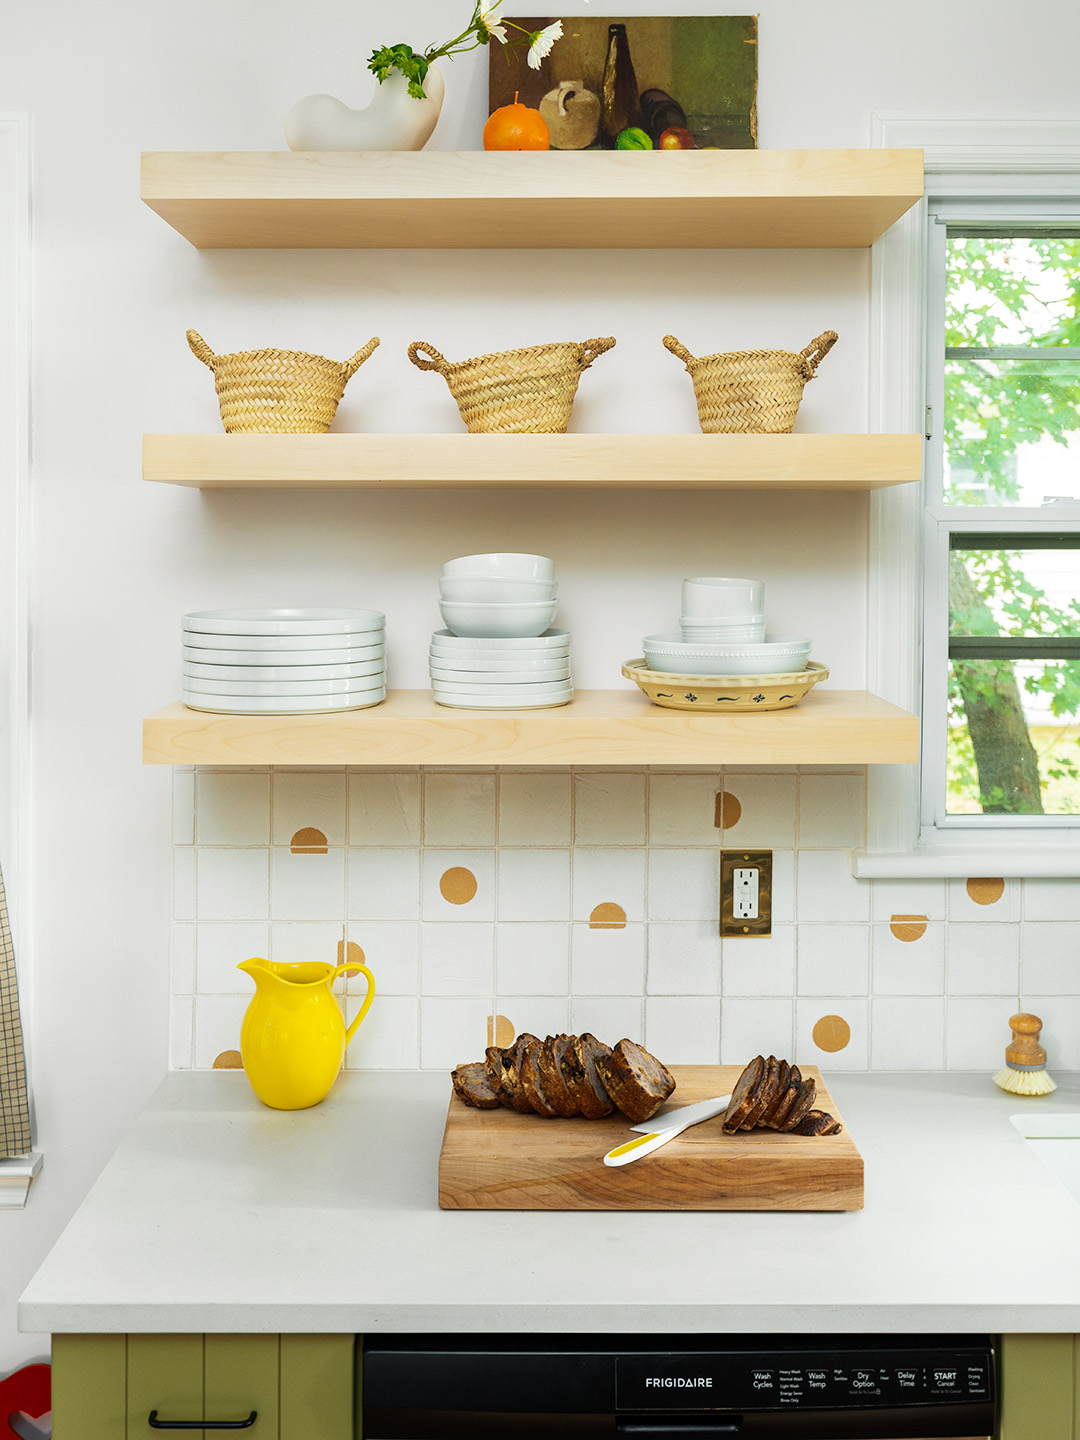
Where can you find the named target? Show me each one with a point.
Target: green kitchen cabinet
(105, 1387)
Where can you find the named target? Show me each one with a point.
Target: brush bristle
(1025, 1082)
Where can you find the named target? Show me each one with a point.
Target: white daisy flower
(490, 23)
(542, 42)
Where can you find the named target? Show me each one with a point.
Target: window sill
(15, 1178)
(1011, 861)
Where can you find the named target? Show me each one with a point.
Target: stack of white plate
(501, 673)
(283, 662)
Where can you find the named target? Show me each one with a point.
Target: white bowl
(280, 659)
(341, 640)
(503, 564)
(542, 644)
(283, 689)
(517, 621)
(474, 662)
(457, 700)
(722, 595)
(283, 622)
(277, 674)
(671, 654)
(295, 705)
(469, 588)
(526, 690)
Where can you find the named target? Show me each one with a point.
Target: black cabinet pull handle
(156, 1424)
(676, 1429)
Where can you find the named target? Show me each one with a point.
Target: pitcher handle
(368, 998)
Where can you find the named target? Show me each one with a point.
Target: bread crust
(532, 1082)
(551, 1072)
(804, 1103)
(582, 1080)
(766, 1095)
(636, 1081)
(819, 1122)
(471, 1085)
(497, 1076)
(744, 1095)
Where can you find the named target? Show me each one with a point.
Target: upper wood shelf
(599, 727)
(472, 199)
(561, 462)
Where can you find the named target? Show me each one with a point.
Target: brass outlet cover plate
(730, 861)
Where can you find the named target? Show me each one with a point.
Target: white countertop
(216, 1214)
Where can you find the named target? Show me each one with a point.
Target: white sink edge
(1053, 1126)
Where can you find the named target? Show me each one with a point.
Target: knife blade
(684, 1115)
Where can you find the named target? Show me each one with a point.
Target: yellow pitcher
(293, 1036)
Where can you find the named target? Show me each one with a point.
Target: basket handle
(816, 351)
(592, 349)
(350, 367)
(200, 349)
(437, 361)
(678, 348)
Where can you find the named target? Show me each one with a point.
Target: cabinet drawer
(105, 1387)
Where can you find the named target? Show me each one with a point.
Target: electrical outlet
(745, 892)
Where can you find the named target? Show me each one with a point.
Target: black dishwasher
(678, 1387)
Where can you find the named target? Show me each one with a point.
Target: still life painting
(643, 83)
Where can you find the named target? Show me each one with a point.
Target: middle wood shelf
(558, 462)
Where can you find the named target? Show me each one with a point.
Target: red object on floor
(29, 1390)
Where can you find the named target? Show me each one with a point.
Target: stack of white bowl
(283, 662)
(498, 651)
(722, 632)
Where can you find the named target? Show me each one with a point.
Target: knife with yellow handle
(661, 1129)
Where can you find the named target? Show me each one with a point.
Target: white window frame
(15, 522)
(1025, 162)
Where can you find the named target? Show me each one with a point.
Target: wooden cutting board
(500, 1160)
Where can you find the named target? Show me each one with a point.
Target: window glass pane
(1012, 424)
(1014, 702)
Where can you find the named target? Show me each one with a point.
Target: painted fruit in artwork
(516, 127)
(633, 138)
(676, 138)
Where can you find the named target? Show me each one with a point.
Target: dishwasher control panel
(803, 1380)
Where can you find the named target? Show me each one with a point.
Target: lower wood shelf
(599, 727)
(567, 462)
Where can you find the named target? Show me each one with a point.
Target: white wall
(117, 561)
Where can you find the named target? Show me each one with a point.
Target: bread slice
(819, 1122)
(472, 1086)
(636, 1081)
(582, 1079)
(512, 1057)
(744, 1095)
(783, 1107)
(497, 1076)
(532, 1082)
(766, 1096)
(804, 1103)
(547, 1061)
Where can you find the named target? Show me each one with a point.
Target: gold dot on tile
(500, 1030)
(458, 885)
(728, 810)
(832, 1033)
(308, 841)
(349, 953)
(607, 916)
(229, 1060)
(909, 927)
(985, 890)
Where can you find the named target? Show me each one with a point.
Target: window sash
(993, 526)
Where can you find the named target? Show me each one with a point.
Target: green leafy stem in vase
(484, 27)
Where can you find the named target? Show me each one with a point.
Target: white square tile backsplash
(589, 900)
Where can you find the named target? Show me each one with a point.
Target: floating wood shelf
(599, 727)
(455, 200)
(557, 462)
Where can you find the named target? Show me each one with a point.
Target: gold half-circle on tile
(832, 1033)
(986, 890)
(308, 841)
(457, 885)
(728, 810)
(909, 927)
(229, 1060)
(349, 953)
(607, 916)
(500, 1030)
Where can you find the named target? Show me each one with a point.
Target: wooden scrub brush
(1025, 1060)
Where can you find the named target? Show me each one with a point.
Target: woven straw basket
(278, 391)
(519, 392)
(751, 391)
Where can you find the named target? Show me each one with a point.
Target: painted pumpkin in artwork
(516, 127)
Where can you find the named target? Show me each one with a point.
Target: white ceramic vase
(394, 120)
